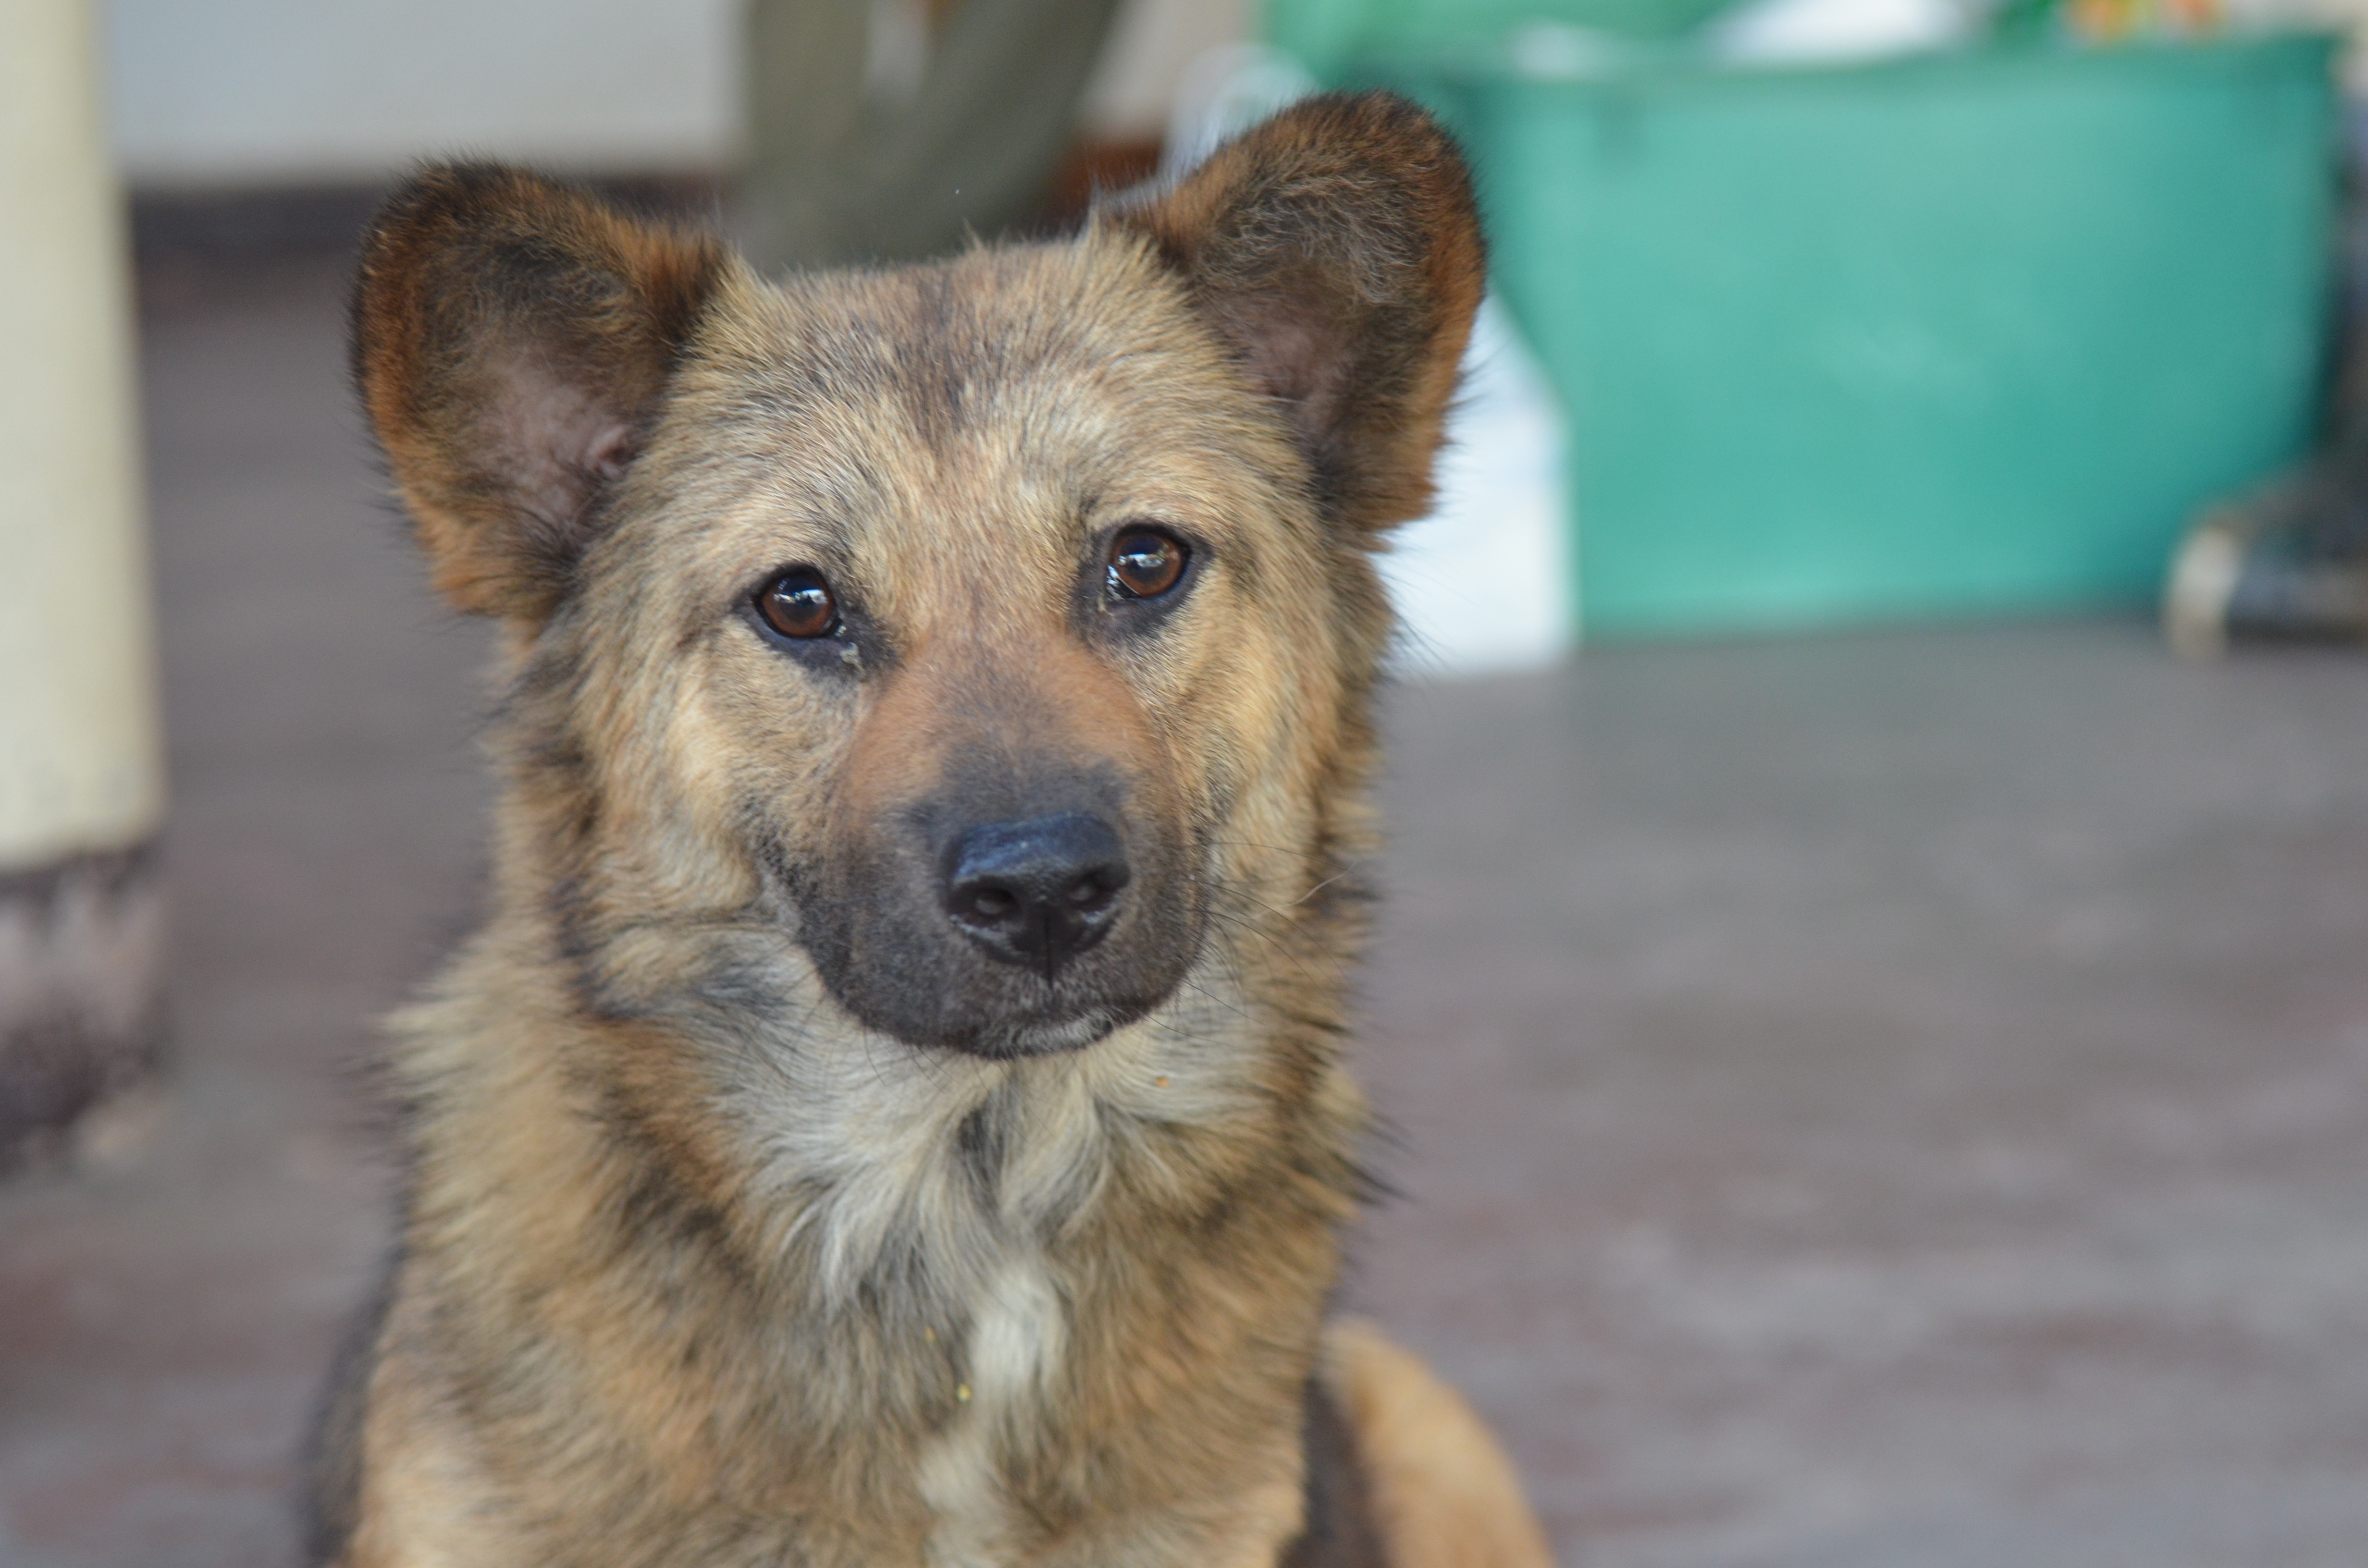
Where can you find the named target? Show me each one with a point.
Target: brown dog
(894, 1113)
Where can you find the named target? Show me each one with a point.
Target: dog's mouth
(987, 1009)
(1005, 1039)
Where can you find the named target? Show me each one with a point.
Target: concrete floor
(1897, 1100)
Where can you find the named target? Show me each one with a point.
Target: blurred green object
(2025, 19)
(1958, 333)
(1328, 35)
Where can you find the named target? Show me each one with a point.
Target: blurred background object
(1772, 31)
(2288, 563)
(2286, 560)
(893, 130)
(1970, 331)
(81, 765)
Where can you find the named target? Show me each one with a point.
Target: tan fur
(1446, 1494)
(752, 1217)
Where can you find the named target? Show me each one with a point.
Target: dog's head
(986, 627)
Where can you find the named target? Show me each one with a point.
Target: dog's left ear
(1337, 250)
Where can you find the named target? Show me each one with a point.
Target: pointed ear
(1337, 250)
(511, 339)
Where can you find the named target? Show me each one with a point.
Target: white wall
(259, 91)
(245, 91)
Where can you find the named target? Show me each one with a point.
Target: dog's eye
(798, 603)
(1144, 564)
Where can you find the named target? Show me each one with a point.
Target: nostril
(1037, 892)
(988, 903)
(1097, 890)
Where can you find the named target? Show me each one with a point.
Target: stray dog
(894, 1113)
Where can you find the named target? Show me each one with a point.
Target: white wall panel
(252, 91)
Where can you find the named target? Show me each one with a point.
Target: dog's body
(894, 1112)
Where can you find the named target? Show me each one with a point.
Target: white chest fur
(1019, 1334)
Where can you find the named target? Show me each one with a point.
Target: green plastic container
(1957, 334)
(1332, 35)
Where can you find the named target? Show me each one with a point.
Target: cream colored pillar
(81, 777)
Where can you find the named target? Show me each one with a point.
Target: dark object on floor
(81, 993)
(2287, 565)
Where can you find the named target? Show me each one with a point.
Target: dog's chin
(1045, 1026)
(1008, 1040)
(999, 1035)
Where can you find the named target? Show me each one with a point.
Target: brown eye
(798, 604)
(1144, 564)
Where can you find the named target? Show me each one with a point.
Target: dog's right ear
(1336, 248)
(511, 339)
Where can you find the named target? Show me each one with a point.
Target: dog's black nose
(1037, 893)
